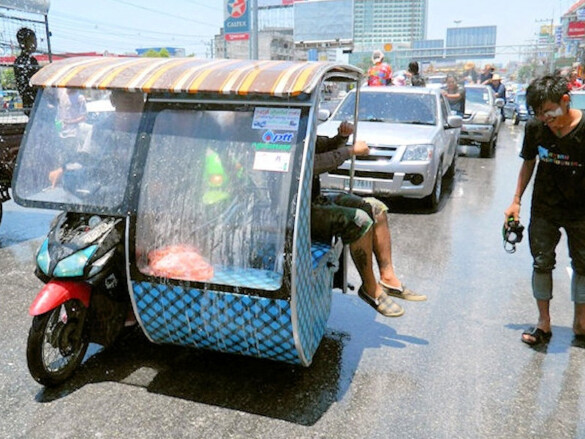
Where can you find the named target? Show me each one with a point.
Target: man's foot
(402, 293)
(536, 336)
(383, 304)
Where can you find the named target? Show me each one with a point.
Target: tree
(7, 79)
(162, 53)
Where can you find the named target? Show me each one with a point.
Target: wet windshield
(78, 149)
(215, 196)
(477, 95)
(407, 108)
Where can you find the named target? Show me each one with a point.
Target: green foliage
(526, 73)
(162, 53)
(7, 78)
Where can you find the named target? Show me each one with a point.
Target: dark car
(515, 108)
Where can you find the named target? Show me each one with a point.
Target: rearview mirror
(323, 114)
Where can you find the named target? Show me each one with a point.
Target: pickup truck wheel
(487, 148)
(432, 201)
(516, 119)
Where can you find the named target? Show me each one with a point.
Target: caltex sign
(237, 20)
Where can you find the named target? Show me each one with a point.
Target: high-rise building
(381, 22)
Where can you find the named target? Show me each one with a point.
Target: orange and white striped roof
(189, 75)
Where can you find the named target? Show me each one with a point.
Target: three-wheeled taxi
(210, 163)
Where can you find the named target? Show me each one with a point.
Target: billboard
(316, 22)
(576, 29)
(471, 42)
(33, 6)
(237, 20)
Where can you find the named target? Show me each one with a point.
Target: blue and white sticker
(284, 119)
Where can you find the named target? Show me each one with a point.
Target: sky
(122, 25)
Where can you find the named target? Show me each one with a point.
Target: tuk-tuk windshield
(215, 194)
(78, 150)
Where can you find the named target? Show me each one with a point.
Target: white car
(412, 137)
(436, 81)
(482, 118)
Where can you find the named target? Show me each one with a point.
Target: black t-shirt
(560, 177)
(25, 66)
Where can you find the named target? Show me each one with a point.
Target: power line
(159, 12)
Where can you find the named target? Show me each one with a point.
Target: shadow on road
(276, 390)
(272, 389)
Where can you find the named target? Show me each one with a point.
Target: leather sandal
(383, 304)
(403, 293)
(538, 335)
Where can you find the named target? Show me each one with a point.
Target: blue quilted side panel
(312, 295)
(225, 322)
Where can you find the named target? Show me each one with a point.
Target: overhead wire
(68, 28)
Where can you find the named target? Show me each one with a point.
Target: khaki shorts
(344, 215)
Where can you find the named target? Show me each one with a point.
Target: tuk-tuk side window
(78, 150)
(215, 195)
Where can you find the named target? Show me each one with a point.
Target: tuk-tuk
(211, 169)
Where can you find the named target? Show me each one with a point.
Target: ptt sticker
(276, 119)
(271, 137)
(271, 161)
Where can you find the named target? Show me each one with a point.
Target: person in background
(469, 74)
(416, 79)
(486, 75)
(455, 94)
(497, 86)
(25, 66)
(71, 113)
(380, 73)
(499, 90)
(554, 136)
(575, 82)
(112, 137)
(360, 222)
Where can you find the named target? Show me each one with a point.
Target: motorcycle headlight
(72, 266)
(418, 153)
(43, 258)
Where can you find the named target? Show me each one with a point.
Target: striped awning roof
(190, 75)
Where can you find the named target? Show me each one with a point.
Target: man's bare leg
(543, 319)
(383, 251)
(579, 319)
(361, 253)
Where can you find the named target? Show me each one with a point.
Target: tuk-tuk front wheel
(57, 342)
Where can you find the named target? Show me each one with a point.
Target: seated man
(110, 143)
(360, 222)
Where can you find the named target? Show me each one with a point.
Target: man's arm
(328, 161)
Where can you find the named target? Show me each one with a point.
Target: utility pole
(550, 44)
(253, 4)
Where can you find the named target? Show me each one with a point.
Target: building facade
(381, 22)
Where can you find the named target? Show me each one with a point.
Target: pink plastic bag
(179, 262)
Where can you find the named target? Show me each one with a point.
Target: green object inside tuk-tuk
(216, 179)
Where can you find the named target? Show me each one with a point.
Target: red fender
(56, 293)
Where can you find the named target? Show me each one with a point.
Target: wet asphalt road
(452, 367)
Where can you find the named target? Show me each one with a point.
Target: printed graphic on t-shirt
(547, 156)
